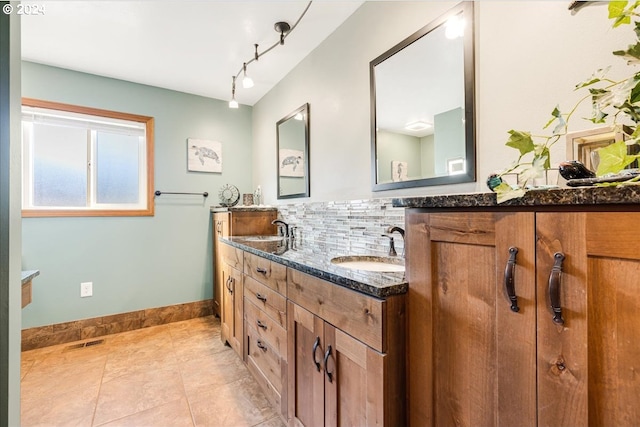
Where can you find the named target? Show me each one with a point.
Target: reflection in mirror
(293, 154)
(422, 99)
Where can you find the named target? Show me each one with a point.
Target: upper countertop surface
(619, 195)
(253, 208)
(314, 258)
(28, 275)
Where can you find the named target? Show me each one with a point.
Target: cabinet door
(306, 374)
(220, 229)
(227, 317)
(471, 357)
(354, 381)
(232, 309)
(588, 364)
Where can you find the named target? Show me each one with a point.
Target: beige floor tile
(71, 408)
(202, 376)
(273, 422)
(55, 380)
(172, 414)
(138, 358)
(129, 394)
(238, 404)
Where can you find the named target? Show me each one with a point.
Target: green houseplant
(616, 102)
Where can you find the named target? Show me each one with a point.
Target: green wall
(396, 146)
(135, 263)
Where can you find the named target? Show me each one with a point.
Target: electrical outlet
(86, 289)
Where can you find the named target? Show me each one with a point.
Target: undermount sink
(370, 263)
(262, 238)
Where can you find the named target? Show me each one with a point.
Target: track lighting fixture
(233, 103)
(247, 81)
(281, 27)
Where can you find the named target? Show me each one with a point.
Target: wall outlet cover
(86, 289)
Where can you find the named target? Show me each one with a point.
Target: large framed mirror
(292, 135)
(422, 106)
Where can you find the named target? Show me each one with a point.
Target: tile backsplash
(355, 226)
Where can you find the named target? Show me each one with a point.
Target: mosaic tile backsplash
(354, 226)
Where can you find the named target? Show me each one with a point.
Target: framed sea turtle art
(204, 155)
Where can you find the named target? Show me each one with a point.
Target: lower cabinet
(324, 355)
(336, 379)
(523, 318)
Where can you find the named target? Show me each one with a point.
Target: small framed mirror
(422, 106)
(292, 134)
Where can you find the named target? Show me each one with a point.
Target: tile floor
(173, 375)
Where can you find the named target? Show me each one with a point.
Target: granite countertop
(28, 275)
(619, 195)
(254, 208)
(314, 258)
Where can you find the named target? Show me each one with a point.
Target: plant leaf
(614, 158)
(521, 141)
(617, 12)
(505, 192)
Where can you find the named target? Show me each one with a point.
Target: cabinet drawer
(265, 357)
(269, 301)
(232, 256)
(361, 316)
(266, 328)
(268, 273)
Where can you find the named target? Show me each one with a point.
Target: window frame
(148, 123)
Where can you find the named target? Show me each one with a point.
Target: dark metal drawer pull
(261, 325)
(554, 288)
(326, 366)
(261, 270)
(315, 348)
(261, 345)
(509, 280)
(261, 297)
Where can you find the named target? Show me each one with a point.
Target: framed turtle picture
(204, 155)
(291, 163)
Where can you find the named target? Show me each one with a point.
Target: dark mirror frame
(305, 111)
(466, 8)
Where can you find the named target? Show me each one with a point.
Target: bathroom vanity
(325, 343)
(236, 221)
(524, 313)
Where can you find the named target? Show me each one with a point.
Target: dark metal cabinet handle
(261, 345)
(232, 283)
(509, 280)
(261, 297)
(316, 344)
(228, 284)
(261, 270)
(326, 367)
(554, 288)
(261, 325)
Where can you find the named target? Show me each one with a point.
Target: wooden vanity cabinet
(475, 360)
(236, 223)
(336, 379)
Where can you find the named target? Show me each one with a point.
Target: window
(80, 161)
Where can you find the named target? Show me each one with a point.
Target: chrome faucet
(283, 227)
(392, 247)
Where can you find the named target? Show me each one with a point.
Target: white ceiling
(185, 45)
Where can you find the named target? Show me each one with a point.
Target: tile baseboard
(60, 333)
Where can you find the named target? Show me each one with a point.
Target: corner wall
(135, 263)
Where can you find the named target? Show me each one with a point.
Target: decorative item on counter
(247, 199)
(257, 196)
(493, 181)
(630, 175)
(573, 169)
(229, 195)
